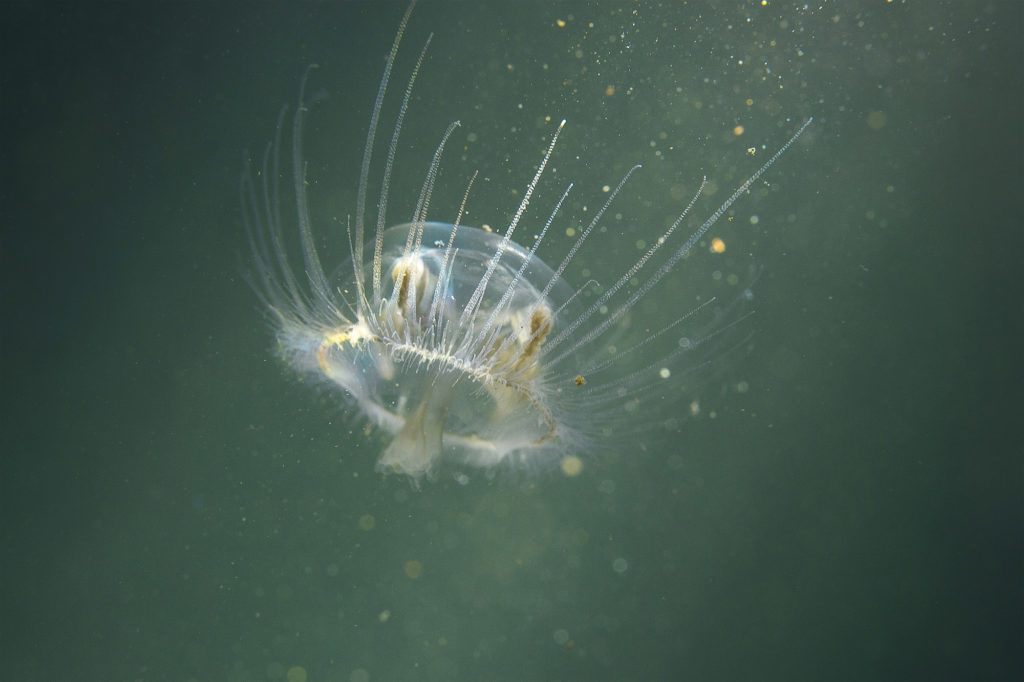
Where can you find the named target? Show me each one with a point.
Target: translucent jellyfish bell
(453, 367)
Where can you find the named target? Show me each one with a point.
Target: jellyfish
(460, 345)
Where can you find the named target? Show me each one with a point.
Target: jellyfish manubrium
(458, 343)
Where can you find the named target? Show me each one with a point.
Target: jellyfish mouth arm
(419, 442)
(393, 423)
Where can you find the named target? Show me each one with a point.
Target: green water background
(176, 506)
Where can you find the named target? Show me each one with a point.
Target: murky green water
(836, 498)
